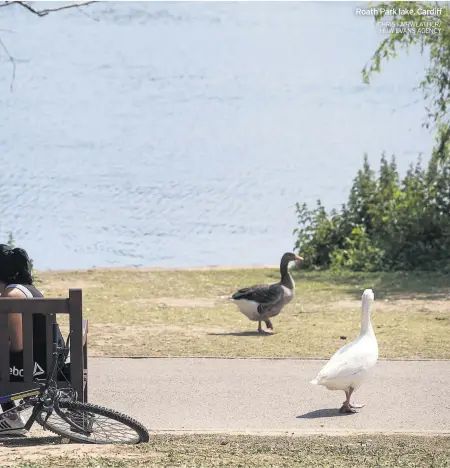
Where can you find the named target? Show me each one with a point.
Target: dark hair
(15, 265)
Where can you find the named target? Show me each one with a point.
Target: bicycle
(53, 406)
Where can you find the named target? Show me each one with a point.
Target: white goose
(350, 365)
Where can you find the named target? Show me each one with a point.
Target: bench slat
(4, 354)
(28, 362)
(49, 321)
(76, 342)
(37, 305)
(85, 359)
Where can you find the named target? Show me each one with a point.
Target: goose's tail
(314, 382)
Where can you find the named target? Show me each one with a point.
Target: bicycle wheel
(100, 425)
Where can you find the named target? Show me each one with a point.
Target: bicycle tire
(137, 427)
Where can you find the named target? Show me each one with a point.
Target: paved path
(270, 396)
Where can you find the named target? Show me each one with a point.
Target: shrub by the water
(386, 224)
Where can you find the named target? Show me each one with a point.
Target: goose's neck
(286, 278)
(366, 324)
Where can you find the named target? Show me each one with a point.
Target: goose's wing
(347, 361)
(264, 294)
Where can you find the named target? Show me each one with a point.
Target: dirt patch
(107, 335)
(38, 445)
(132, 331)
(191, 303)
(60, 284)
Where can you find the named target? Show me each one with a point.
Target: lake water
(183, 134)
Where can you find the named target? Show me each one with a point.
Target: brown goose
(262, 301)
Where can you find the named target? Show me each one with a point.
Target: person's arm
(15, 323)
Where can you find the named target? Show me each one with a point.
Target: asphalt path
(270, 396)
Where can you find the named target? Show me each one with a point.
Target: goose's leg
(269, 326)
(346, 407)
(259, 327)
(354, 405)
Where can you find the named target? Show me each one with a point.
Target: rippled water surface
(181, 134)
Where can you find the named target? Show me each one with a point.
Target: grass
(188, 313)
(211, 451)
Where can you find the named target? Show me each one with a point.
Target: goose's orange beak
(299, 259)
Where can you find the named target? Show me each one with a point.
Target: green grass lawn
(136, 312)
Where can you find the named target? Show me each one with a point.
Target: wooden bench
(50, 307)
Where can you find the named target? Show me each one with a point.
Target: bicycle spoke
(103, 429)
(101, 426)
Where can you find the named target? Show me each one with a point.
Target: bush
(387, 224)
(358, 253)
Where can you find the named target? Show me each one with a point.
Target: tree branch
(46, 11)
(13, 63)
(444, 140)
(40, 13)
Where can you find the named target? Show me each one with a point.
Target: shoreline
(168, 269)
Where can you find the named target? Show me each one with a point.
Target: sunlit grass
(254, 451)
(188, 313)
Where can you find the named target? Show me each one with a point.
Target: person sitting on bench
(15, 281)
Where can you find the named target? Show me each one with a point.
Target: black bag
(39, 354)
